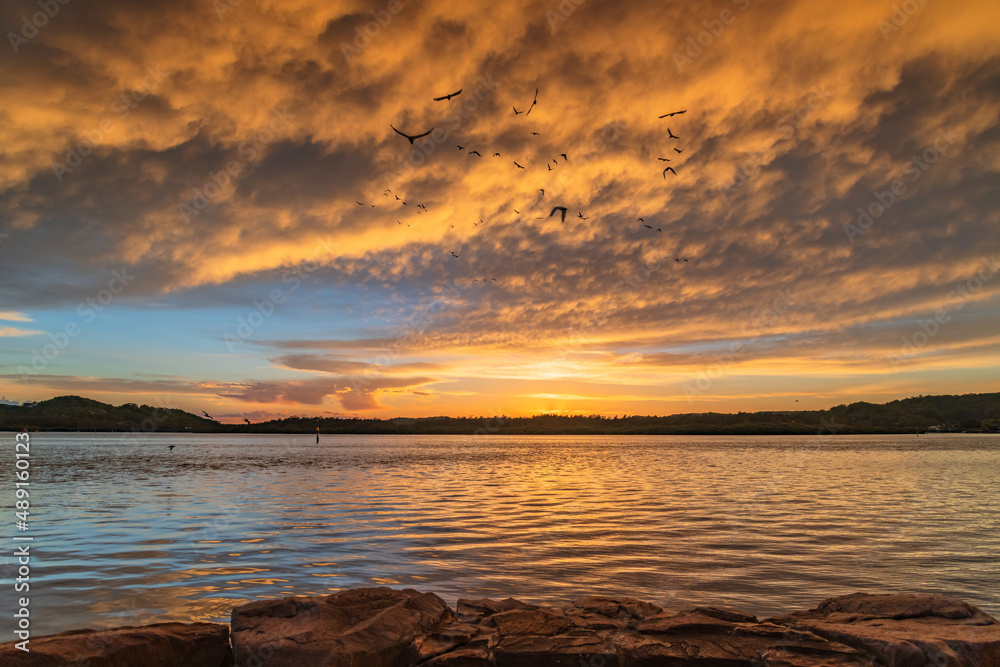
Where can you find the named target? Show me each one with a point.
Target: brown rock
(530, 622)
(474, 611)
(726, 614)
(904, 630)
(554, 651)
(157, 645)
(463, 657)
(684, 622)
(367, 626)
(618, 608)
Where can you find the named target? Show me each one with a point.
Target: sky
(203, 205)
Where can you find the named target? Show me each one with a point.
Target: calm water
(128, 532)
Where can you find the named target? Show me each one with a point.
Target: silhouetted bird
(171, 447)
(516, 112)
(475, 153)
(561, 209)
(533, 103)
(448, 97)
(673, 113)
(671, 170)
(663, 159)
(678, 150)
(208, 415)
(454, 255)
(516, 211)
(641, 220)
(564, 156)
(518, 166)
(461, 148)
(580, 215)
(246, 420)
(549, 166)
(671, 134)
(358, 203)
(413, 138)
(496, 155)
(647, 226)
(535, 134)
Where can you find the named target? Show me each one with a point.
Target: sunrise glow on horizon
(205, 206)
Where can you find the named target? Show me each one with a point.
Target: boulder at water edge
(157, 645)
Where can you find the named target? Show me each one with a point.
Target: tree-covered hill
(74, 413)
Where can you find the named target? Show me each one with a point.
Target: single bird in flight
(671, 134)
(475, 153)
(461, 148)
(678, 150)
(562, 209)
(516, 112)
(664, 159)
(496, 155)
(448, 97)
(673, 113)
(171, 447)
(533, 103)
(454, 255)
(563, 155)
(518, 166)
(246, 420)
(535, 134)
(413, 138)
(208, 415)
(671, 170)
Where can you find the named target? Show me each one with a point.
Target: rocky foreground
(383, 627)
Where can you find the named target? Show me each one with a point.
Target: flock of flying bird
(562, 210)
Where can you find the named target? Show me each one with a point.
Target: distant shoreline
(969, 413)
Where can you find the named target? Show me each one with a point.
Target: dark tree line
(968, 412)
